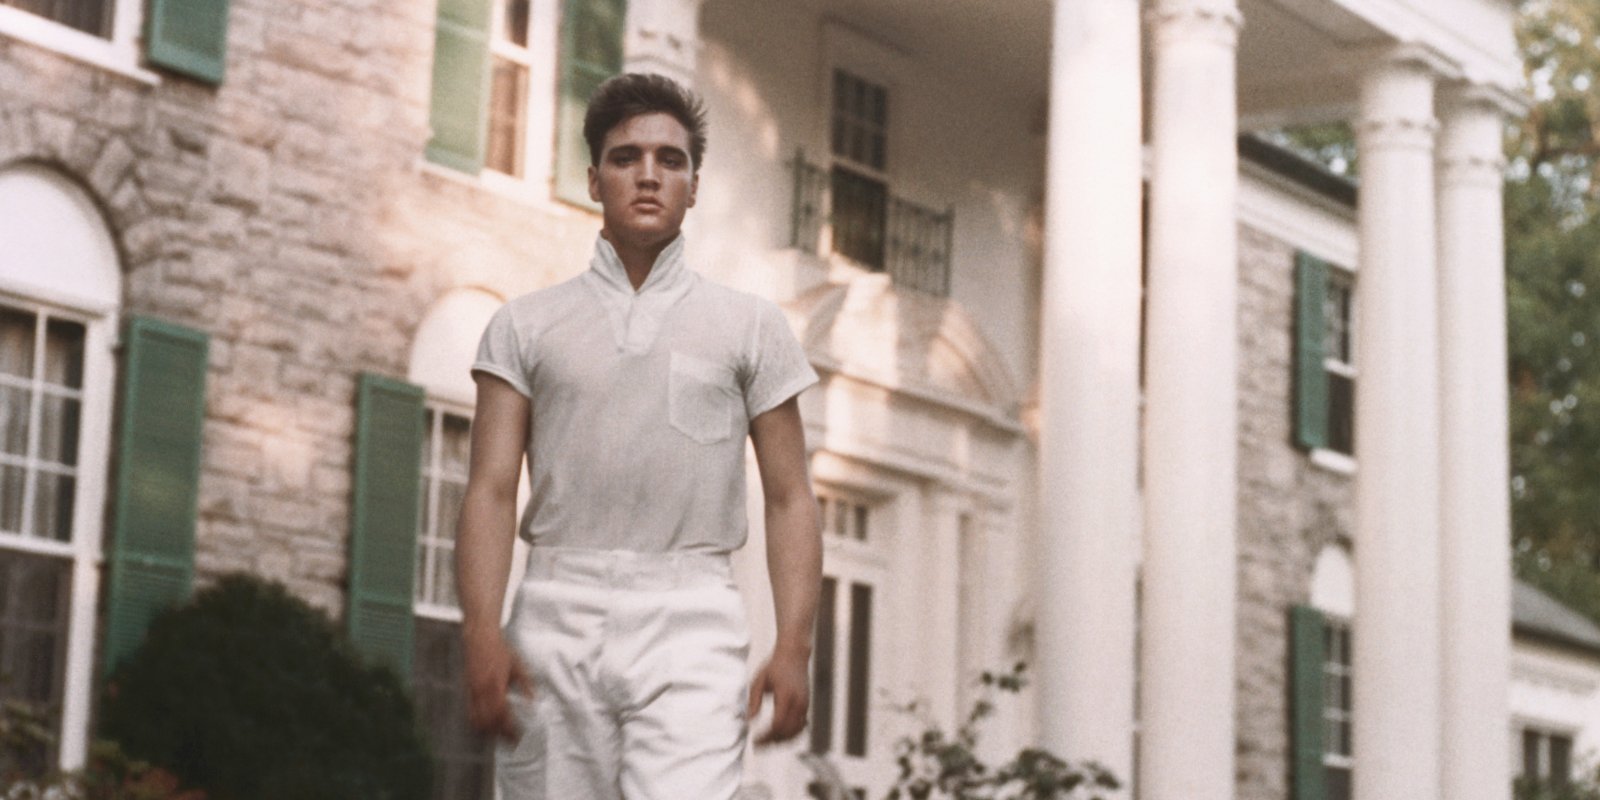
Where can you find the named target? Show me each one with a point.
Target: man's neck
(637, 259)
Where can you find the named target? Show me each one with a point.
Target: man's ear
(694, 187)
(594, 184)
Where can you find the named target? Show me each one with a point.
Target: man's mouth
(647, 204)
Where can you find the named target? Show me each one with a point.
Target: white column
(1395, 646)
(663, 36)
(1089, 362)
(1191, 397)
(1475, 513)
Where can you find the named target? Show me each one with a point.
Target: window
(41, 403)
(859, 133)
(1546, 757)
(463, 760)
(511, 62)
(511, 81)
(1336, 705)
(1324, 369)
(841, 677)
(1339, 360)
(90, 16)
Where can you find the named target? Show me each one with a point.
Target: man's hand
(492, 670)
(784, 677)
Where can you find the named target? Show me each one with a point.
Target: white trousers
(640, 676)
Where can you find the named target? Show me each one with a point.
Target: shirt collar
(665, 272)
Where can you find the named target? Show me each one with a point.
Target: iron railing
(841, 211)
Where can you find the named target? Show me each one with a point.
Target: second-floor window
(860, 142)
(1339, 360)
(510, 61)
(1324, 359)
(93, 17)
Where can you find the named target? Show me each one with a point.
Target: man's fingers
(758, 687)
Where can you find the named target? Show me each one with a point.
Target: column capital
(1397, 99)
(1215, 20)
(1471, 149)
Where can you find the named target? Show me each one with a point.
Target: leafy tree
(1552, 196)
(1553, 300)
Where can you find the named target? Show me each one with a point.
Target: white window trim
(536, 188)
(849, 561)
(437, 407)
(1328, 458)
(99, 380)
(119, 54)
(1546, 732)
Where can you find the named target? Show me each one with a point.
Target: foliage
(1552, 196)
(251, 693)
(26, 743)
(1553, 296)
(936, 764)
(1528, 789)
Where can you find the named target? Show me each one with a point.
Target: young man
(622, 673)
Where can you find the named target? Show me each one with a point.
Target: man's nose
(649, 171)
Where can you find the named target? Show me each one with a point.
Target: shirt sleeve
(779, 369)
(500, 352)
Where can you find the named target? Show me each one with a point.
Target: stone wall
(1289, 509)
(289, 214)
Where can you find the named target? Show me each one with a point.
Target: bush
(939, 764)
(1583, 789)
(250, 693)
(26, 773)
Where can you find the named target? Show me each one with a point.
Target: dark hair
(626, 96)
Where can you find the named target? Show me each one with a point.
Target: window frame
(850, 562)
(85, 547)
(423, 603)
(1344, 280)
(1335, 625)
(1545, 736)
(118, 53)
(536, 186)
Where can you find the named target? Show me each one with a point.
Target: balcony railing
(852, 214)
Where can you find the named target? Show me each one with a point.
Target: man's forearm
(484, 539)
(794, 563)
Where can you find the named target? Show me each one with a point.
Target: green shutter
(189, 37)
(383, 535)
(157, 478)
(1306, 656)
(591, 52)
(1311, 380)
(459, 114)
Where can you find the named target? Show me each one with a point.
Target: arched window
(441, 360)
(60, 288)
(1333, 594)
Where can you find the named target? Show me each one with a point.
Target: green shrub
(937, 764)
(252, 694)
(27, 771)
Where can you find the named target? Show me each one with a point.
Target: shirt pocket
(700, 398)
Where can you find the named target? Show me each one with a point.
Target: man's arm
(484, 539)
(794, 562)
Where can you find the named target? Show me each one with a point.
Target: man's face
(645, 183)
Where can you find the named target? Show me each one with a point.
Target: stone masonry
(1289, 509)
(289, 214)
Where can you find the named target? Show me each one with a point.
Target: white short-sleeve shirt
(640, 402)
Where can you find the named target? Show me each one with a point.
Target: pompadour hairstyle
(626, 96)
